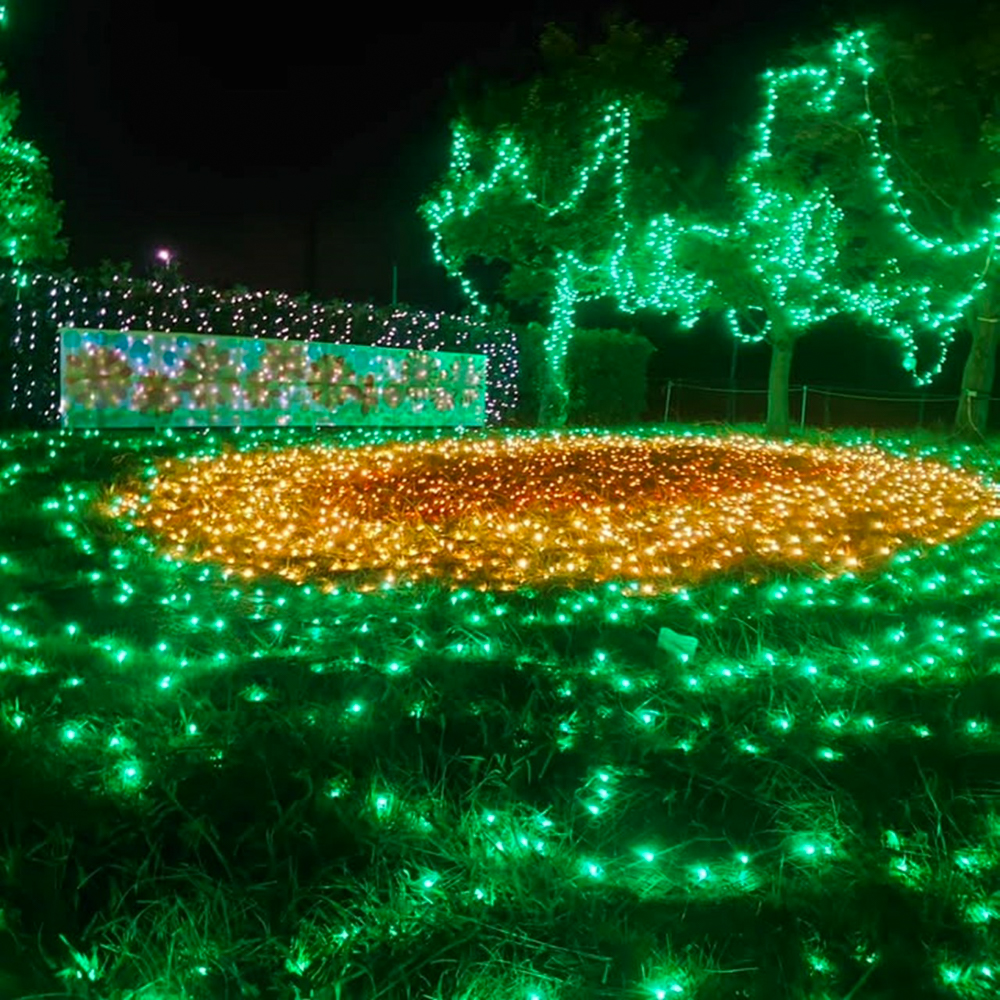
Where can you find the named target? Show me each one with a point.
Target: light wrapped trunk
(779, 381)
(973, 409)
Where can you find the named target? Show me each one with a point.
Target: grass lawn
(288, 727)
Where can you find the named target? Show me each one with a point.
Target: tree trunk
(977, 376)
(555, 387)
(731, 403)
(778, 421)
(554, 408)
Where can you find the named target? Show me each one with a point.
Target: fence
(817, 406)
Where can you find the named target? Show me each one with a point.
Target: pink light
(164, 255)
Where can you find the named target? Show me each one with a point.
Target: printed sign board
(126, 379)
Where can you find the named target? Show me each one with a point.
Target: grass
(217, 790)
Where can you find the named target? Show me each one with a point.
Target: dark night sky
(222, 134)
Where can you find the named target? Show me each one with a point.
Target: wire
(678, 383)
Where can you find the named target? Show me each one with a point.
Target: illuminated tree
(816, 228)
(536, 188)
(937, 95)
(30, 220)
(933, 102)
(807, 234)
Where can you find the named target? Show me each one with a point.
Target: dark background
(287, 146)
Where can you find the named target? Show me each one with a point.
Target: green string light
(792, 243)
(829, 704)
(47, 302)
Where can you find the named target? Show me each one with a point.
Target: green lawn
(215, 790)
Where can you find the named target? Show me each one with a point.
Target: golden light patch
(506, 512)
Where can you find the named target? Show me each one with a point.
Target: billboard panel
(130, 379)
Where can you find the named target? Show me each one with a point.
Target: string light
(536, 510)
(45, 303)
(789, 244)
(794, 733)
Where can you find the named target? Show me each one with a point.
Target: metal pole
(802, 415)
(666, 409)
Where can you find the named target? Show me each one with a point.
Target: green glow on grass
(779, 711)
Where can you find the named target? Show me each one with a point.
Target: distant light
(164, 255)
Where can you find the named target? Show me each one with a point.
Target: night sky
(227, 136)
(231, 137)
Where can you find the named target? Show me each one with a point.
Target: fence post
(802, 414)
(666, 409)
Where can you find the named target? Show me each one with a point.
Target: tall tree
(537, 200)
(939, 98)
(934, 102)
(30, 220)
(815, 228)
(806, 235)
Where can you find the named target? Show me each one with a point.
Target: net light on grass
(555, 509)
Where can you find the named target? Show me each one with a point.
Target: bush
(606, 370)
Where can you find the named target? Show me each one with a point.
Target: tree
(939, 95)
(30, 220)
(934, 99)
(808, 234)
(538, 185)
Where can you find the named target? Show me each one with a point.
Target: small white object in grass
(684, 646)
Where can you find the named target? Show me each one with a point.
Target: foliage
(536, 185)
(605, 368)
(530, 372)
(938, 96)
(30, 220)
(552, 115)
